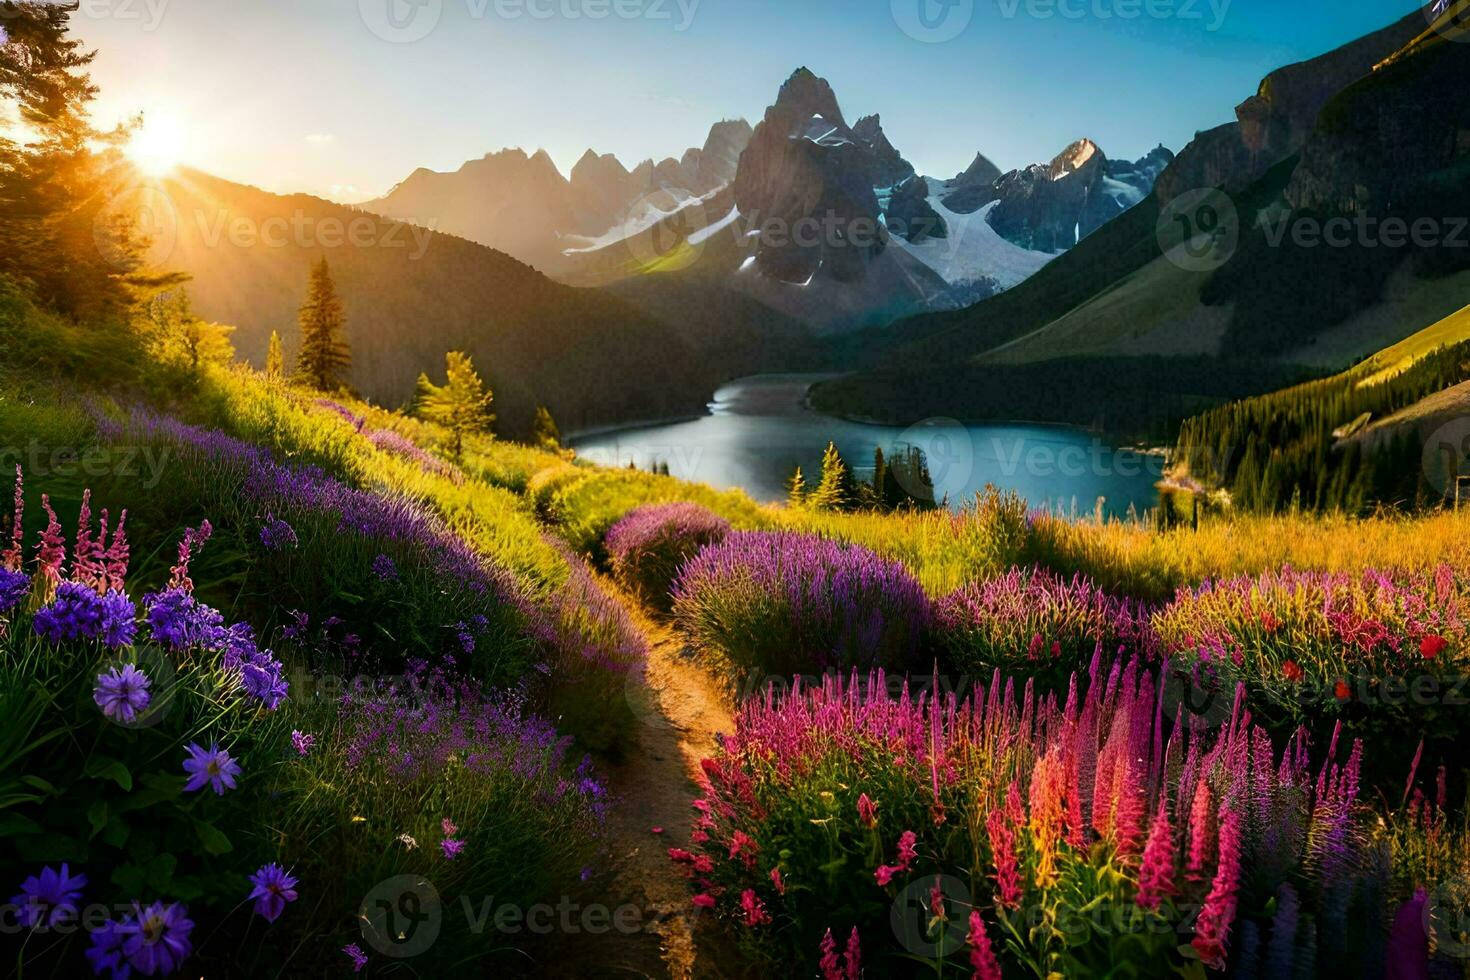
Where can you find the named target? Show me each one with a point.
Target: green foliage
(178, 339)
(461, 405)
(275, 358)
(323, 360)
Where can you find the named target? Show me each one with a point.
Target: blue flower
(75, 614)
(277, 535)
(50, 898)
(119, 620)
(122, 694)
(14, 587)
(213, 768)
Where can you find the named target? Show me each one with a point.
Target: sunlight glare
(158, 146)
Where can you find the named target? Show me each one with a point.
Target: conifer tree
(461, 405)
(832, 493)
(796, 489)
(323, 360)
(544, 431)
(275, 358)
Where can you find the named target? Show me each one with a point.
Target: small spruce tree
(275, 358)
(323, 360)
(832, 493)
(544, 431)
(796, 489)
(461, 405)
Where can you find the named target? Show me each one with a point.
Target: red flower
(1432, 646)
(778, 881)
(1056, 648)
(705, 901)
(1293, 672)
(1341, 690)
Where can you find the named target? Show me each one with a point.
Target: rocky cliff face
(889, 167)
(806, 182)
(1275, 122)
(1397, 140)
(1049, 207)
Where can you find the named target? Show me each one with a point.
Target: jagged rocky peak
(889, 167)
(1082, 155)
(910, 214)
(981, 172)
(802, 98)
(720, 158)
(598, 169)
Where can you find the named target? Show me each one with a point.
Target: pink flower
(830, 967)
(854, 956)
(778, 882)
(703, 901)
(982, 957)
(936, 902)
(884, 873)
(655, 830)
(1156, 879)
(699, 837)
(867, 811)
(51, 552)
(753, 909)
(907, 850)
(1003, 853)
(680, 856)
(1212, 927)
(14, 556)
(743, 847)
(1201, 833)
(449, 828)
(703, 864)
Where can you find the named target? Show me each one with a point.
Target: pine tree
(832, 493)
(275, 358)
(544, 431)
(58, 235)
(461, 405)
(796, 489)
(324, 360)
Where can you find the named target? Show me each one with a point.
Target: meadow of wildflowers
(1032, 621)
(1387, 650)
(1005, 832)
(650, 544)
(775, 602)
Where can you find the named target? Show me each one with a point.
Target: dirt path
(680, 709)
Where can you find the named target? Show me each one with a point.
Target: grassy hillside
(411, 295)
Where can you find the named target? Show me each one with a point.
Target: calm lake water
(759, 430)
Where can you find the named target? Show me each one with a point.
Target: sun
(158, 146)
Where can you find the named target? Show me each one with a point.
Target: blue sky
(305, 95)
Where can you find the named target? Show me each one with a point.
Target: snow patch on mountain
(973, 249)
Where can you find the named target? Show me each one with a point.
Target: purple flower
(359, 958)
(107, 950)
(212, 768)
(179, 621)
(649, 544)
(261, 676)
(122, 694)
(277, 535)
(50, 898)
(302, 742)
(119, 620)
(157, 938)
(451, 847)
(14, 587)
(384, 569)
(75, 614)
(273, 889)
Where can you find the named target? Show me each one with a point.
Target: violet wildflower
(74, 614)
(119, 620)
(48, 899)
(14, 588)
(277, 535)
(384, 569)
(179, 621)
(212, 768)
(358, 957)
(123, 694)
(106, 952)
(451, 847)
(157, 938)
(262, 679)
(273, 889)
(302, 742)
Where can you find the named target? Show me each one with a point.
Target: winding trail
(680, 708)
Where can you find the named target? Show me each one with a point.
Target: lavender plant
(650, 544)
